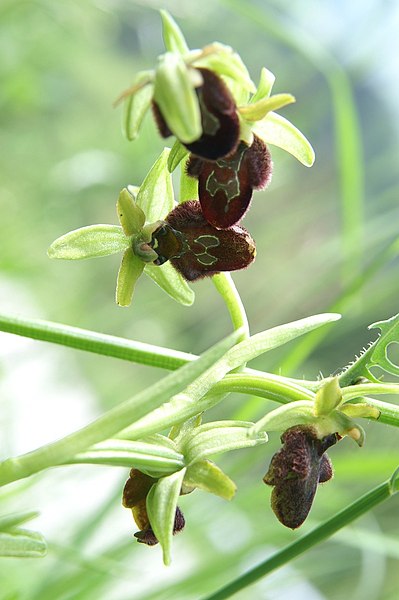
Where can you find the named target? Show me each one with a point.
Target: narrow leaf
(207, 476)
(379, 352)
(155, 196)
(130, 215)
(172, 34)
(171, 282)
(161, 508)
(177, 153)
(176, 98)
(89, 242)
(22, 543)
(264, 88)
(14, 519)
(137, 104)
(275, 129)
(258, 110)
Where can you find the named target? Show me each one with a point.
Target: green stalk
(311, 539)
(227, 289)
(114, 420)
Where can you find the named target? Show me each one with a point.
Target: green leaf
(22, 543)
(176, 155)
(264, 89)
(224, 61)
(155, 196)
(161, 508)
(255, 111)
(176, 97)
(207, 476)
(130, 270)
(12, 520)
(89, 242)
(328, 397)
(172, 34)
(379, 351)
(206, 441)
(171, 282)
(151, 458)
(137, 104)
(130, 215)
(275, 129)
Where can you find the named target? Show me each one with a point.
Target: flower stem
(227, 289)
(319, 534)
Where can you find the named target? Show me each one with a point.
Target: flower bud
(225, 187)
(295, 472)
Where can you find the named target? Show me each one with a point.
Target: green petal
(361, 409)
(171, 282)
(161, 508)
(224, 61)
(328, 397)
(276, 130)
(264, 89)
(176, 155)
(155, 196)
(129, 271)
(256, 111)
(176, 97)
(207, 476)
(136, 105)
(130, 215)
(89, 242)
(172, 34)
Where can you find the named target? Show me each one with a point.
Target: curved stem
(227, 289)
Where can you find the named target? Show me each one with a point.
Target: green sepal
(155, 196)
(22, 543)
(171, 282)
(172, 34)
(207, 476)
(130, 215)
(265, 85)
(278, 131)
(360, 409)
(286, 416)
(258, 110)
(150, 457)
(89, 242)
(130, 270)
(177, 153)
(176, 97)
(209, 439)
(137, 104)
(161, 509)
(12, 520)
(224, 61)
(328, 397)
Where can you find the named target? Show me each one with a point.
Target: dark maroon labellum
(295, 472)
(219, 119)
(196, 249)
(225, 187)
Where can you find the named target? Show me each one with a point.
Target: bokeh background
(326, 240)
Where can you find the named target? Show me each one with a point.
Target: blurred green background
(325, 239)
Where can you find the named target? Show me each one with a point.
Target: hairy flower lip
(225, 186)
(295, 472)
